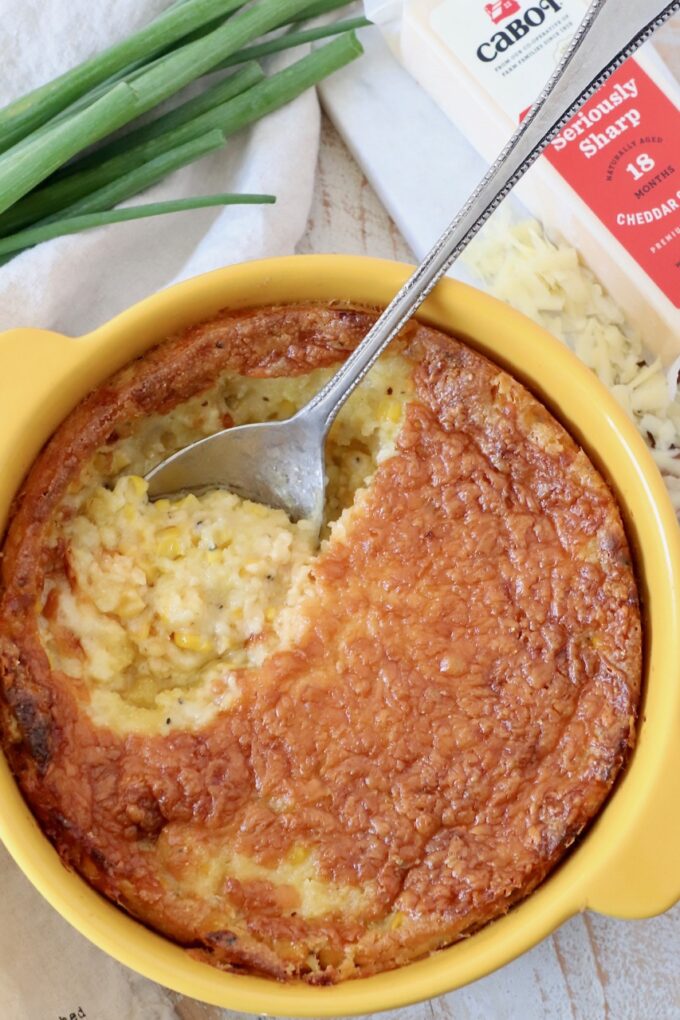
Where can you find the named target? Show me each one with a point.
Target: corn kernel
(390, 410)
(189, 502)
(129, 605)
(162, 505)
(118, 462)
(396, 920)
(191, 642)
(170, 543)
(138, 485)
(270, 614)
(96, 504)
(213, 556)
(286, 408)
(129, 513)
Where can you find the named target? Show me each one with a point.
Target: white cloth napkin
(47, 970)
(73, 284)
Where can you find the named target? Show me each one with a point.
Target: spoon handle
(609, 33)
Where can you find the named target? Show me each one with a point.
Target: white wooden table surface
(592, 968)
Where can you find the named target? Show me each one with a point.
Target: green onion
(138, 180)
(24, 167)
(134, 70)
(321, 8)
(294, 39)
(220, 93)
(226, 89)
(73, 225)
(212, 97)
(314, 10)
(42, 132)
(270, 94)
(198, 33)
(189, 62)
(142, 177)
(30, 111)
(291, 39)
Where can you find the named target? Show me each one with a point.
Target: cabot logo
(501, 9)
(513, 31)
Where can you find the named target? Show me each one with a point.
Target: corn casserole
(318, 764)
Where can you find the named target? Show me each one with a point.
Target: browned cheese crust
(456, 712)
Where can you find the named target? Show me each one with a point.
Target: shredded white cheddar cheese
(547, 282)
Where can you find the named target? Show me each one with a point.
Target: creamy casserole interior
(309, 763)
(161, 602)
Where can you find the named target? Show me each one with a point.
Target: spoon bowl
(279, 463)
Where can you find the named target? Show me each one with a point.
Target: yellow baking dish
(628, 864)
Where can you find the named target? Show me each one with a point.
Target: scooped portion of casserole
(318, 763)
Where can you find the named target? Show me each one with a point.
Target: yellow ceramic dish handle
(645, 879)
(34, 364)
(43, 376)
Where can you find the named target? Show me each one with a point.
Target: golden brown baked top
(456, 702)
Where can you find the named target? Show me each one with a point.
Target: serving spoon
(281, 463)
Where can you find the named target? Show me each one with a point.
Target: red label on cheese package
(621, 154)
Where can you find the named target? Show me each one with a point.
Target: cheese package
(610, 181)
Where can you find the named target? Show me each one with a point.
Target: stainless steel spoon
(281, 463)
